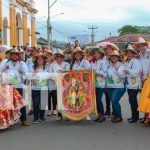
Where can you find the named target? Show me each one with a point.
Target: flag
(76, 94)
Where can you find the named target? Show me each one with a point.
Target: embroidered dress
(144, 103)
(9, 117)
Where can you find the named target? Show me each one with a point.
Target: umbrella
(105, 44)
(4, 48)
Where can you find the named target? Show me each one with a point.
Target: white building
(17, 22)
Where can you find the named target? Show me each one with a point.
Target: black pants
(52, 97)
(36, 98)
(107, 101)
(23, 109)
(53, 94)
(133, 102)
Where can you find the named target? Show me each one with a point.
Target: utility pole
(93, 33)
(48, 26)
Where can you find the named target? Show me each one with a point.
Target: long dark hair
(35, 64)
(73, 61)
(101, 57)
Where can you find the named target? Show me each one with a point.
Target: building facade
(17, 22)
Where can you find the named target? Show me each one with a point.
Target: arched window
(5, 28)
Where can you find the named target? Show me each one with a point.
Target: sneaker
(50, 113)
(42, 120)
(35, 121)
(88, 118)
(59, 119)
(54, 112)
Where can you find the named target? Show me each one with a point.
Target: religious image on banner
(76, 94)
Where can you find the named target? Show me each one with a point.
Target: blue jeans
(115, 96)
(36, 98)
(99, 95)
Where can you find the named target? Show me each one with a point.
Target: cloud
(94, 10)
(109, 15)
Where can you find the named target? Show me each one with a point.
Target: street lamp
(57, 15)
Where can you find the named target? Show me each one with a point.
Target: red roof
(126, 38)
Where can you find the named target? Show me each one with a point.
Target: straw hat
(130, 48)
(49, 52)
(34, 58)
(40, 55)
(113, 46)
(32, 48)
(114, 53)
(59, 52)
(140, 41)
(77, 49)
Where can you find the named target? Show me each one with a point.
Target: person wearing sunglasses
(57, 66)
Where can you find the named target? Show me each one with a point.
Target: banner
(76, 94)
(82, 38)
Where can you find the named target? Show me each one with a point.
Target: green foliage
(129, 29)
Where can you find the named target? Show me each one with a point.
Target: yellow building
(17, 22)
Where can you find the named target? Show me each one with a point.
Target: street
(84, 135)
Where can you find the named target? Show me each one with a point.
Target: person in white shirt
(15, 70)
(57, 66)
(39, 77)
(100, 69)
(52, 94)
(109, 48)
(115, 84)
(79, 63)
(142, 46)
(30, 61)
(133, 71)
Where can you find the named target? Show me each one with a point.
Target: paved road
(84, 135)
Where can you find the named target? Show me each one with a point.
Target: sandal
(146, 124)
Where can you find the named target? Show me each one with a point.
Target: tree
(129, 29)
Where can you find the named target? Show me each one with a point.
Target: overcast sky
(108, 15)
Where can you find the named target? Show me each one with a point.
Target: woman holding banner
(57, 66)
(79, 63)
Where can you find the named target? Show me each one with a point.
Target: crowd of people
(116, 72)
